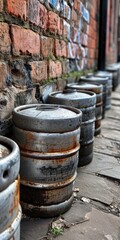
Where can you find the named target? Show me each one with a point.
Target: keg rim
(49, 125)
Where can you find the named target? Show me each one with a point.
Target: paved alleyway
(95, 214)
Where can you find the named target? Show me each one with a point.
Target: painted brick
(43, 15)
(80, 52)
(55, 69)
(66, 11)
(47, 46)
(72, 50)
(84, 39)
(75, 35)
(1, 5)
(25, 41)
(52, 22)
(60, 26)
(86, 15)
(56, 4)
(17, 8)
(84, 26)
(65, 66)
(3, 75)
(80, 22)
(74, 18)
(38, 71)
(60, 48)
(66, 30)
(34, 11)
(5, 41)
(76, 5)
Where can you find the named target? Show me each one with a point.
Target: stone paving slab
(97, 188)
(107, 147)
(102, 226)
(110, 124)
(111, 134)
(104, 165)
(34, 229)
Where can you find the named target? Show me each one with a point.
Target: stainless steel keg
(96, 88)
(104, 74)
(48, 137)
(85, 101)
(114, 69)
(10, 211)
(102, 81)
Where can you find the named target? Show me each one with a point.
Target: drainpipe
(102, 34)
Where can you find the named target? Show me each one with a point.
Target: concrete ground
(95, 213)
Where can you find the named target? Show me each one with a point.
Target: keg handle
(67, 90)
(47, 107)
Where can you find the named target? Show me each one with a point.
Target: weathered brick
(91, 53)
(43, 17)
(1, 5)
(25, 41)
(72, 50)
(34, 12)
(53, 22)
(38, 70)
(66, 11)
(47, 46)
(74, 18)
(55, 69)
(5, 41)
(3, 74)
(84, 39)
(92, 43)
(17, 8)
(60, 26)
(66, 30)
(56, 4)
(60, 48)
(75, 35)
(65, 66)
(80, 52)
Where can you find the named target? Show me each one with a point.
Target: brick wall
(43, 42)
(118, 38)
(112, 31)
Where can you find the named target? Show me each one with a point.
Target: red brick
(17, 8)
(60, 26)
(67, 11)
(91, 53)
(53, 22)
(55, 69)
(72, 50)
(92, 11)
(43, 17)
(65, 66)
(60, 48)
(1, 5)
(34, 11)
(66, 30)
(76, 5)
(47, 46)
(74, 18)
(38, 71)
(5, 41)
(3, 74)
(92, 43)
(25, 41)
(84, 39)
